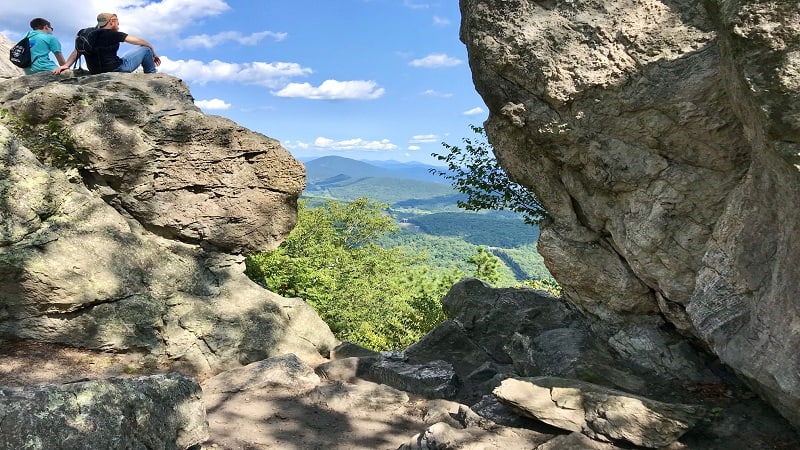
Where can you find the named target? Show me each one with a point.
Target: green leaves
(377, 297)
(486, 265)
(474, 171)
(50, 141)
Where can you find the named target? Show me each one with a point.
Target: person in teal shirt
(42, 43)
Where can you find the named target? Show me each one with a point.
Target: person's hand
(156, 60)
(60, 69)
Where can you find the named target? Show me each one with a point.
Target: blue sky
(364, 79)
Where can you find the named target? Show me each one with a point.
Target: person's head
(108, 20)
(41, 25)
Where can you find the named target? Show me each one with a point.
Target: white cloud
(474, 111)
(434, 93)
(150, 20)
(211, 41)
(414, 147)
(333, 90)
(436, 60)
(441, 21)
(423, 139)
(353, 144)
(291, 145)
(271, 75)
(154, 21)
(412, 5)
(214, 103)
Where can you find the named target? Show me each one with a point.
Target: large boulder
(150, 152)
(600, 413)
(127, 239)
(160, 411)
(663, 140)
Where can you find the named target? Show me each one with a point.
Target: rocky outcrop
(160, 411)
(127, 239)
(600, 413)
(663, 140)
(492, 333)
(148, 151)
(498, 336)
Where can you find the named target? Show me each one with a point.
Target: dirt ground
(291, 419)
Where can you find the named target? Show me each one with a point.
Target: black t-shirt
(104, 55)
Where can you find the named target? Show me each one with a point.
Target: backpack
(84, 41)
(20, 54)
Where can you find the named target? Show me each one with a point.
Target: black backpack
(84, 44)
(84, 41)
(20, 54)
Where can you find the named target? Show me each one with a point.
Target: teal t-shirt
(41, 45)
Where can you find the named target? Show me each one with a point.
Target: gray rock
(473, 432)
(160, 411)
(151, 153)
(440, 410)
(346, 369)
(524, 332)
(362, 396)
(348, 361)
(349, 349)
(598, 412)
(576, 441)
(489, 407)
(7, 69)
(280, 371)
(663, 140)
(76, 267)
(653, 349)
(462, 352)
(434, 379)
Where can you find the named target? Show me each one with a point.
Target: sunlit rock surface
(663, 140)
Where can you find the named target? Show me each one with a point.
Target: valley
(424, 207)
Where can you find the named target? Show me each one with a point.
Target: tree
(548, 285)
(426, 289)
(474, 171)
(486, 265)
(364, 292)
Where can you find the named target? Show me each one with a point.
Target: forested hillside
(374, 255)
(431, 223)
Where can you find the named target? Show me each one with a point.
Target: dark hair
(39, 23)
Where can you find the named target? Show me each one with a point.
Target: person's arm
(139, 41)
(59, 58)
(70, 61)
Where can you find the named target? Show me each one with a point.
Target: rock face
(7, 70)
(161, 411)
(496, 332)
(152, 154)
(663, 140)
(136, 248)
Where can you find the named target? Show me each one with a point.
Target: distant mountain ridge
(321, 170)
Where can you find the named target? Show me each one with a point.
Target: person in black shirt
(103, 57)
